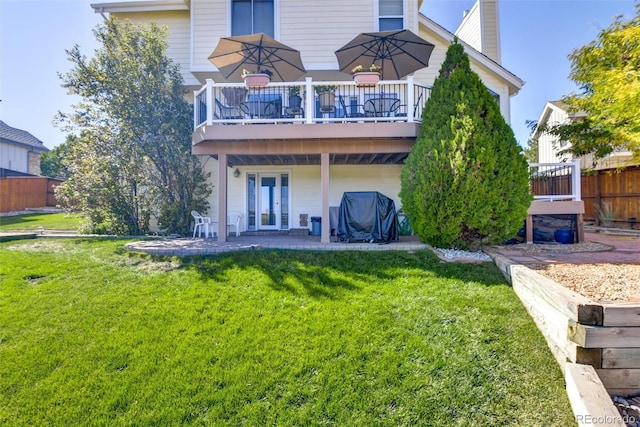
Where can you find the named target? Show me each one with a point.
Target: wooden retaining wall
(581, 331)
(19, 193)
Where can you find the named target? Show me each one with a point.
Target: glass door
(273, 201)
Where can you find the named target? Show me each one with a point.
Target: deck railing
(555, 181)
(234, 103)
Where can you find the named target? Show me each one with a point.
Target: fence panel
(19, 193)
(619, 189)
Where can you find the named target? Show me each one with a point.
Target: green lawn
(50, 221)
(91, 334)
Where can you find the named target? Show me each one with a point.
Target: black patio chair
(416, 111)
(354, 110)
(224, 112)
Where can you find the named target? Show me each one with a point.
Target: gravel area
(629, 409)
(599, 279)
(460, 255)
(599, 282)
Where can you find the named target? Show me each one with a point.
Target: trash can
(316, 226)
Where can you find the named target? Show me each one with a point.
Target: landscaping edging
(596, 344)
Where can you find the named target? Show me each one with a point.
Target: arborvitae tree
(465, 183)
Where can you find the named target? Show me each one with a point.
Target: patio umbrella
(398, 52)
(256, 52)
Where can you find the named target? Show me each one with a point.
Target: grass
(50, 221)
(91, 334)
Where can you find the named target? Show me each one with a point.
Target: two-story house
(279, 166)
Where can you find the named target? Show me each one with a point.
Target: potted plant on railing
(295, 101)
(256, 80)
(364, 77)
(326, 97)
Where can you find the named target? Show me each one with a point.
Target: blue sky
(536, 37)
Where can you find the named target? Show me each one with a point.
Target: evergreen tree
(465, 183)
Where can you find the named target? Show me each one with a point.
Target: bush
(465, 183)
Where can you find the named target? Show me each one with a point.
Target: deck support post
(324, 189)
(222, 198)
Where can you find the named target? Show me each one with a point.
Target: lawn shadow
(18, 219)
(333, 274)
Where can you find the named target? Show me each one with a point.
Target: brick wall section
(34, 163)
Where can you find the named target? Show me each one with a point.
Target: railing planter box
(256, 80)
(327, 99)
(366, 78)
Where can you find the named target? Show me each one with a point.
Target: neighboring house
(19, 152)
(281, 169)
(549, 147)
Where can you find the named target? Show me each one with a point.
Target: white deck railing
(555, 181)
(234, 103)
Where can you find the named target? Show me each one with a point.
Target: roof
(141, 6)
(515, 83)
(559, 106)
(20, 137)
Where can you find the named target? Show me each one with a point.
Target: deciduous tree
(133, 156)
(608, 72)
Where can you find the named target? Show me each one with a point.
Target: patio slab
(200, 246)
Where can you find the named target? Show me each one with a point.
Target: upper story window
(390, 15)
(252, 16)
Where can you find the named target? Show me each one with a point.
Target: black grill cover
(367, 215)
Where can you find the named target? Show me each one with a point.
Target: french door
(268, 201)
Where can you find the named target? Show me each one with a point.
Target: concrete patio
(201, 246)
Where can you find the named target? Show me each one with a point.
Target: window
(252, 16)
(390, 15)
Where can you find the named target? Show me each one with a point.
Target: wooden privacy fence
(620, 190)
(19, 193)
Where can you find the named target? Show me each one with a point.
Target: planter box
(327, 100)
(366, 78)
(256, 80)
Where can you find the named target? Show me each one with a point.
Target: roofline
(141, 6)
(514, 81)
(544, 115)
(24, 145)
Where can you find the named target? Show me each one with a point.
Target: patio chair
(227, 113)
(233, 220)
(416, 111)
(201, 224)
(354, 110)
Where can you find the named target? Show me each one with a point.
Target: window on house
(252, 16)
(390, 15)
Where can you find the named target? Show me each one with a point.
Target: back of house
(280, 161)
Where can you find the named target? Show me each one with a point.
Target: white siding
(547, 146)
(209, 25)
(489, 78)
(178, 41)
(490, 29)
(480, 29)
(14, 157)
(471, 27)
(343, 19)
(304, 184)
